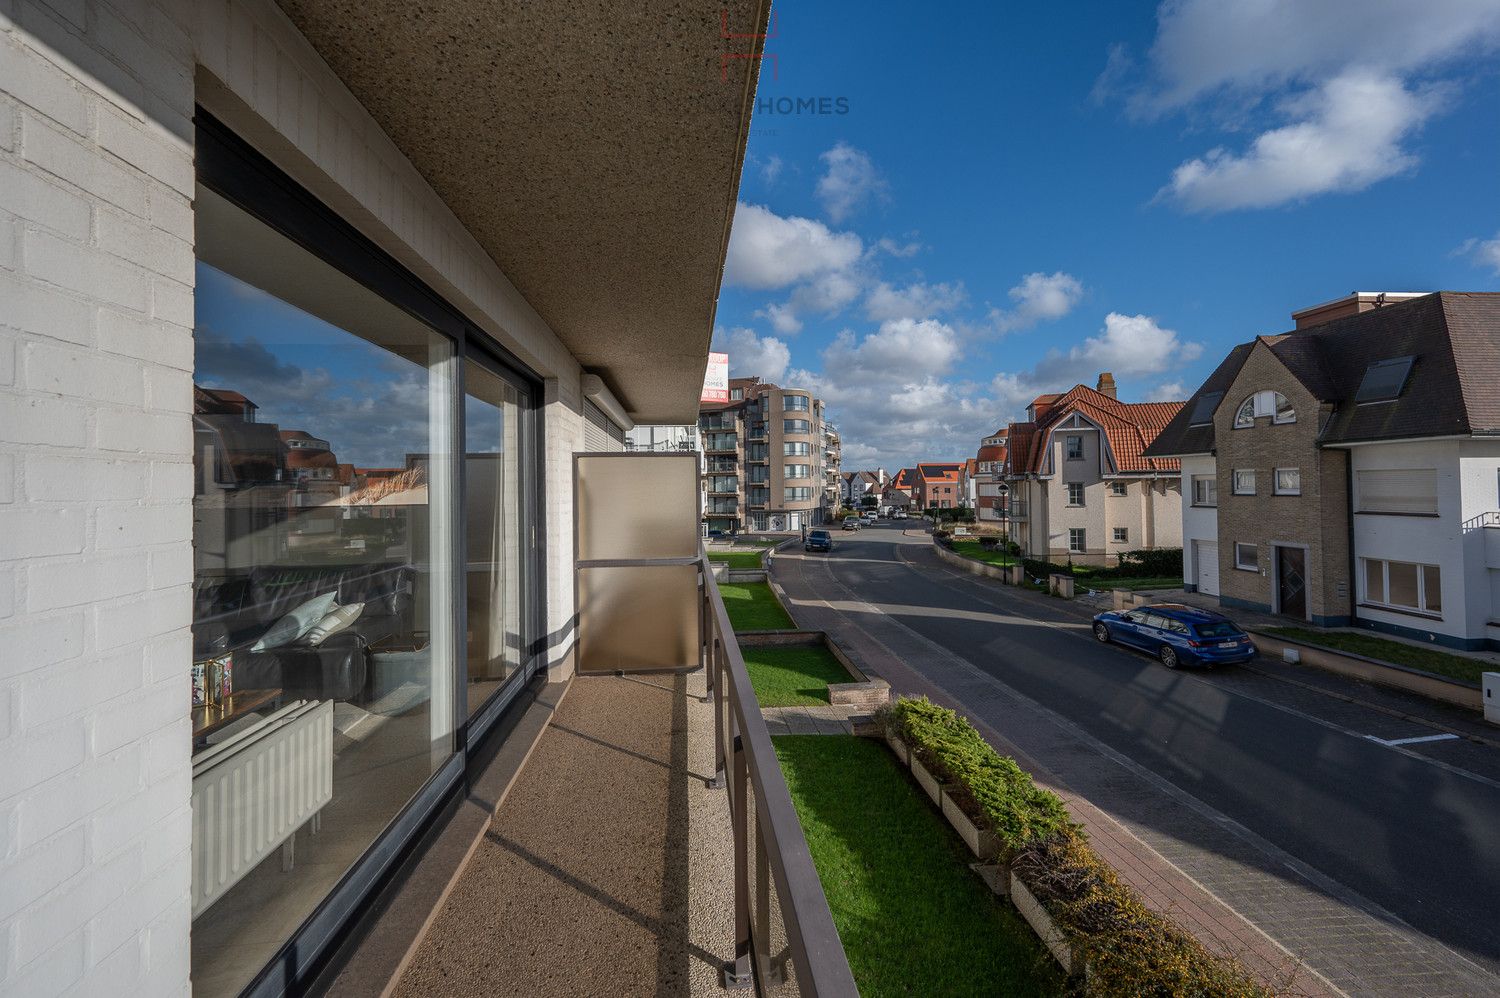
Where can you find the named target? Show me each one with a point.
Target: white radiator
(254, 790)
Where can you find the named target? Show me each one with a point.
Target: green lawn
(1412, 656)
(793, 677)
(737, 559)
(972, 549)
(914, 920)
(753, 607)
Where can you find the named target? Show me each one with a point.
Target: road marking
(1412, 741)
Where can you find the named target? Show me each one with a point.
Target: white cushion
(337, 619)
(297, 623)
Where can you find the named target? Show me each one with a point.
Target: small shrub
(1157, 562)
(990, 788)
(1130, 949)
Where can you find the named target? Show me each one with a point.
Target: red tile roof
(1129, 426)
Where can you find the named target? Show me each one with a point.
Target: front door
(1291, 582)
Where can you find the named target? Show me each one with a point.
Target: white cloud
(849, 181)
(769, 251)
(753, 355)
(1208, 46)
(914, 301)
(1128, 345)
(1168, 391)
(827, 294)
(770, 169)
(1340, 88)
(1483, 252)
(1039, 298)
(1348, 135)
(783, 319)
(888, 245)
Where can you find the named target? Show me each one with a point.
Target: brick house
(1082, 486)
(1346, 472)
(939, 485)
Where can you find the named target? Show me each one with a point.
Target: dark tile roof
(1181, 438)
(1453, 388)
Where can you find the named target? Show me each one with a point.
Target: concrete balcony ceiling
(593, 149)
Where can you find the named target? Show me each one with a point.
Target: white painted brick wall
(95, 361)
(96, 272)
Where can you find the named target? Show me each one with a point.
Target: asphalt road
(1413, 828)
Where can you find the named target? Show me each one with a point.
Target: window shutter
(599, 431)
(1399, 490)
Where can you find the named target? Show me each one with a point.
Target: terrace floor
(603, 871)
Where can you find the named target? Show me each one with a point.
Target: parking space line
(1413, 741)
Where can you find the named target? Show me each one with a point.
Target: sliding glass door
(494, 508)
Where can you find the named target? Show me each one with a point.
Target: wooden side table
(208, 719)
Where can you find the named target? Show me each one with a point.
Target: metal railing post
(737, 975)
(715, 666)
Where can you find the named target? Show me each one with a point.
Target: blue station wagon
(1177, 634)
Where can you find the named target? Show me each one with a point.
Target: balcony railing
(780, 911)
(1018, 510)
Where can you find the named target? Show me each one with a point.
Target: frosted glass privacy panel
(637, 506)
(637, 618)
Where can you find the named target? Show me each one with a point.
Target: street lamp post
(1002, 492)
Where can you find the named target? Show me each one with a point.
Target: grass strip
(912, 917)
(753, 607)
(1412, 656)
(793, 677)
(737, 560)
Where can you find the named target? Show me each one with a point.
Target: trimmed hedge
(1150, 564)
(1130, 950)
(990, 788)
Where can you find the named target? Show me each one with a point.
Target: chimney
(1106, 385)
(1351, 304)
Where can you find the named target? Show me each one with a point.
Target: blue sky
(1019, 198)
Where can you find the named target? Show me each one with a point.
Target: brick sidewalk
(1219, 883)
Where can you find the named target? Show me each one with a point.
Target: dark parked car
(853, 523)
(1177, 634)
(818, 540)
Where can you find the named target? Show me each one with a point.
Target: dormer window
(1265, 403)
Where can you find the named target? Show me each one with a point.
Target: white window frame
(1121, 535)
(1078, 540)
(1068, 442)
(1213, 486)
(1235, 486)
(1264, 403)
(1382, 599)
(1276, 488)
(1240, 564)
(1070, 486)
(1119, 489)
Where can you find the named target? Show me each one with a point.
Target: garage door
(1206, 557)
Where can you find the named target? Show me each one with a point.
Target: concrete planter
(1060, 585)
(927, 780)
(996, 876)
(981, 841)
(898, 747)
(1046, 929)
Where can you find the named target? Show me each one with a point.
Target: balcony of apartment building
(722, 485)
(720, 443)
(644, 840)
(757, 431)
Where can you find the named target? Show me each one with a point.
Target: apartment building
(988, 475)
(1082, 487)
(767, 460)
(833, 478)
(293, 342)
(1348, 471)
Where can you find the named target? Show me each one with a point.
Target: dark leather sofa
(231, 614)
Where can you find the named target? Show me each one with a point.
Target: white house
(1348, 472)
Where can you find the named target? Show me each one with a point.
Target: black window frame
(236, 171)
